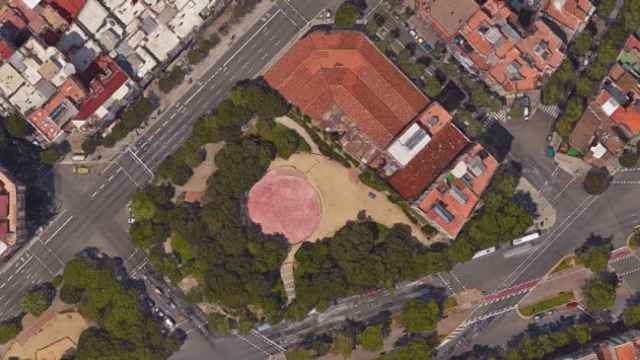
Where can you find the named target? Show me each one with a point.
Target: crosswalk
(552, 110)
(499, 115)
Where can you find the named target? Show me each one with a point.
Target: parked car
(169, 323)
(81, 170)
(538, 317)
(158, 291)
(413, 33)
(172, 305)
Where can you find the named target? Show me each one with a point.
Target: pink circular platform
(283, 202)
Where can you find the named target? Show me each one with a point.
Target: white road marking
(59, 229)
(252, 36)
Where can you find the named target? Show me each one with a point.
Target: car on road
(81, 170)
(158, 291)
(413, 33)
(538, 317)
(172, 305)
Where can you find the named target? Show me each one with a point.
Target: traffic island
(547, 304)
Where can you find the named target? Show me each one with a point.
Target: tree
(298, 354)
(9, 329)
(582, 44)
(71, 294)
(418, 316)
(415, 350)
(17, 126)
(342, 345)
(259, 98)
(371, 338)
(171, 79)
(346, 16)
(596, 258)
(37, 301)
(629, 159)
(219, 323)
(631, 316)
(54, 153)
(605, 7)
(600, 294)
(90, 144)
(597, 181)
(432, 87)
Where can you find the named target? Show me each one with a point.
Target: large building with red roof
(345, 84)
(103, 78)
(348, 87)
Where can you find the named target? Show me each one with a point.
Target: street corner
(546, 213)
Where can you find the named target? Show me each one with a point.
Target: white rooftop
(10, 79)
(162, 42)
(92, 15)
(31, 3)
(598, 150)
(409, 144)
(28, 98)
(610, 106)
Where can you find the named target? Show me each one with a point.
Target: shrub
(37, 301)
(171, 79)
(70, 294)
(9, 330)
(629, 159)
(346, 16)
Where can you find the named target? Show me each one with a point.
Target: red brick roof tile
(343, 69)
(425, 167)
(101, 89)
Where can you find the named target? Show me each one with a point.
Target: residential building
(411, 177)
(445, 16)
(510, 58)
(618, 348)
(12, 211)
(613, 117)
(571, 15)
(451, 200)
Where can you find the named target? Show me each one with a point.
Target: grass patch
(516, 112)
(566, 263)
(548, 304)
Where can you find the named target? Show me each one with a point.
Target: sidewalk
(546, 212)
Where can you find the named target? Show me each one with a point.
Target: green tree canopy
(596, 258)
(414, 350)
(371, 338)
(346, 16)
(596, 182)
(17, 126)
(419, 316)
(342, 345)
(9, 329)
(37, 300)
(600, 294)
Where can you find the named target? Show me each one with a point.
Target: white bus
(484, 252)
(526, 238)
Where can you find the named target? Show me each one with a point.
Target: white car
(413, 33)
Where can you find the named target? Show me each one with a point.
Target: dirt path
(197, 184)
(291, 124)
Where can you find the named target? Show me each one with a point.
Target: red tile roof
(69, 9)
(342, 70)
(6, 50)
(629, 117)
(104, 77)
(626, 351)
(514, 64)
(4, 206)
(440, 193)
(427, 165)
(569, 13)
